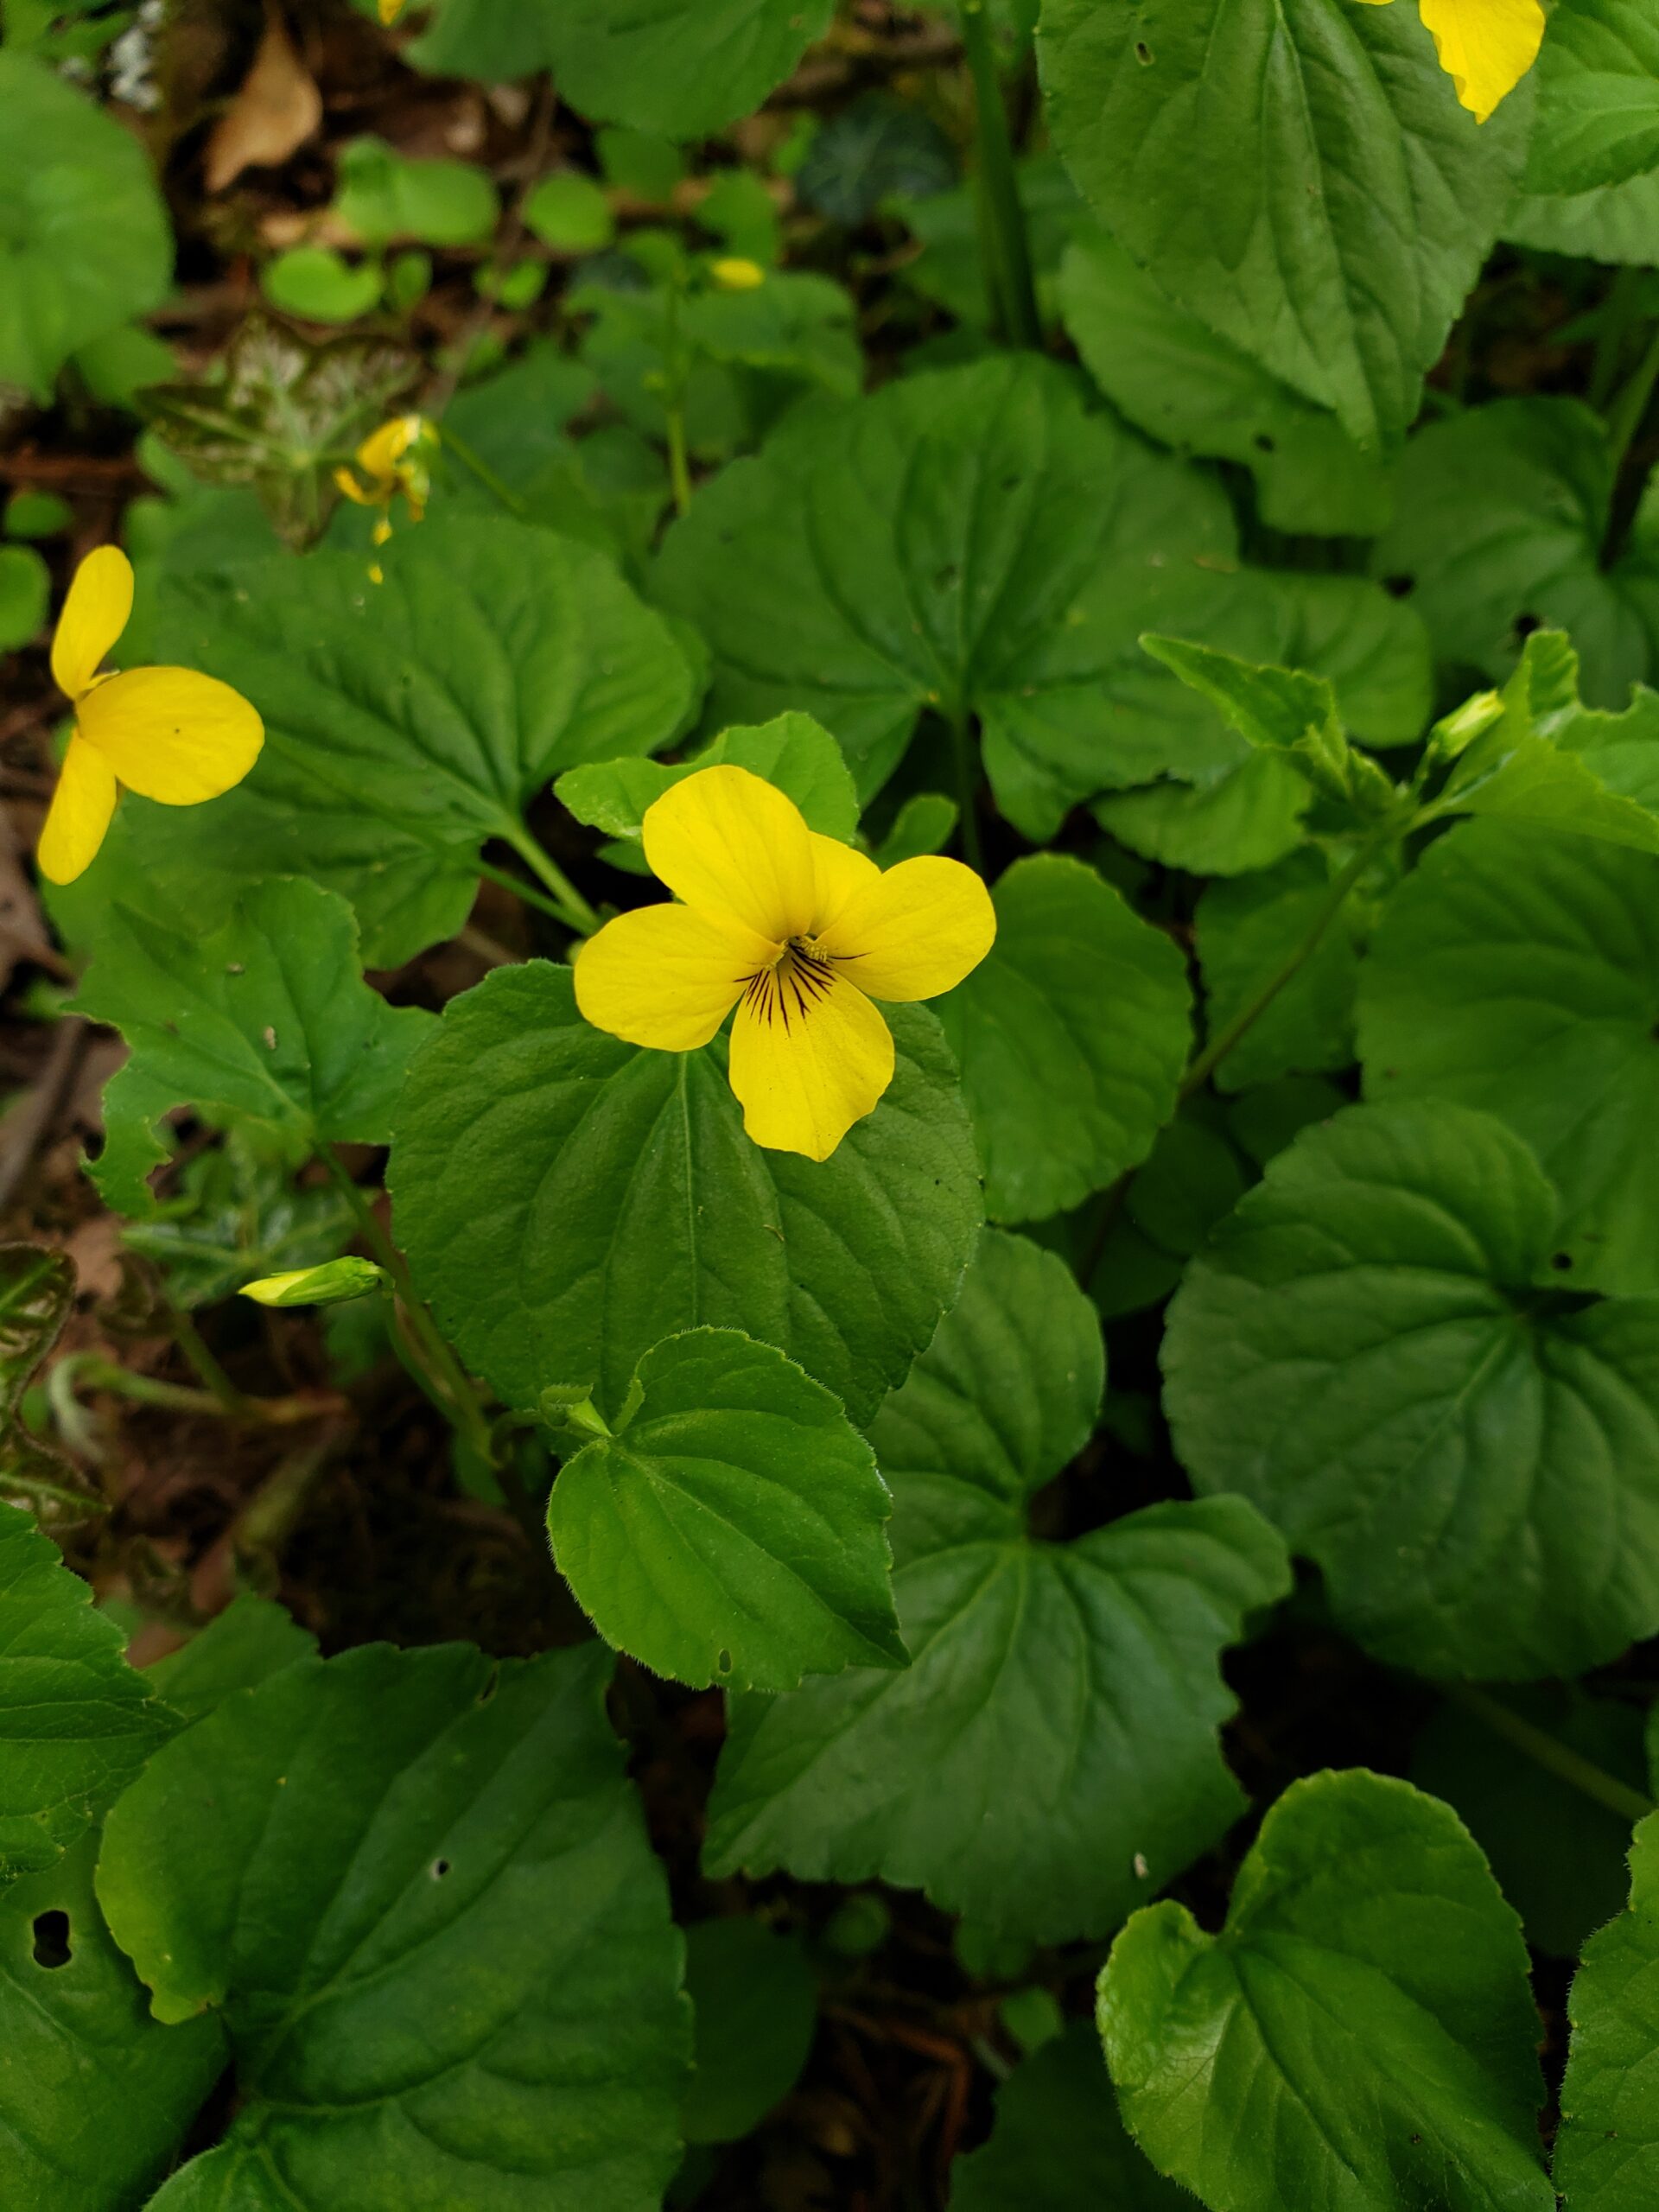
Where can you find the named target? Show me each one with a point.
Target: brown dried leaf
(276, 109)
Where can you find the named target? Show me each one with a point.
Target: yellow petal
(840, 872)
(172, 734)
(1486, 47)
(735, 849)
(94, 615)
(808, 1060)
(917, 931)
(664, 976)
(381, 451)
(79, 815)
(348, 484)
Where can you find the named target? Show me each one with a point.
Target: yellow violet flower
(389, 12)
(1486, 47)
(796, 932)
(395, 458)
(167, 733)
(735, 275)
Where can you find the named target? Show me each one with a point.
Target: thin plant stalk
(1005, 217)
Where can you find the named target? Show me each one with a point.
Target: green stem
(1618, 312)
(675, 376)
(1223, 1043)
(1010, 273)
(443, 1377)
(1625, 416)
(100, 1374)
(192, 1344)
(480, 469)
(1624, 420)
(581, 915)
(966, 757)
(1549, 1752)
(532, 896)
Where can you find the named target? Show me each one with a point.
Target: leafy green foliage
(253, 1639)
(267, 1016)
(1049, 1755)
(25, 585)
(538, 1163)
(1071, 1036)
(1558, 1854)
(84, 243)
(756, 2003)
(1607, 2153)
(419, 1897)
(1182, 382)
(95, 2095)
(793, 752)
(76, 1722)
(732, 1530)
(1365, 1351)
(1248, 928)
(1371, 196)
(1057, 2144)
(1518, 972)
(407, 722)
(1598, 98)
(1500, 519)
(1360, 2032)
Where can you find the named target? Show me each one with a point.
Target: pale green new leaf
(1299, 176)
(793, 752)
(85, 243)
(1050, 1757)
(567, 1200)
(1360, 2034)
(1072, 1035)
(1598, 97)
(1607, 2152)
(1617, 223)
(1518, 972)
(419, 1895)
(1183, 383)
(733, 1530)
(1362, 1349)
(95, 2095)
(267, 1015)
(406, 722)
(1500, 516)
(76, 1722)
(1547, 760)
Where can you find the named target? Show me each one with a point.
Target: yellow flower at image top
(800, 934)
(167, 733)
(395, 458)
(1486, 47)
(389, 12)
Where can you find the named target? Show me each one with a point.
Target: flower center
(789, 989)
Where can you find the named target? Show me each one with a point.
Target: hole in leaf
(490, 1687)
(1399, 587)
(1526, 624)
(1143, 53)
(723, 1664)
(440, 1868)
(51, 1940)
(1560, 1261)
(1265, 443)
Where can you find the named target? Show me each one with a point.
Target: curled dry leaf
(276, 109)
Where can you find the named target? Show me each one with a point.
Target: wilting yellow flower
(389, 12)
(395, 458)
(735, 275)
(1486, 47)
(796, 932)
(167, 734)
